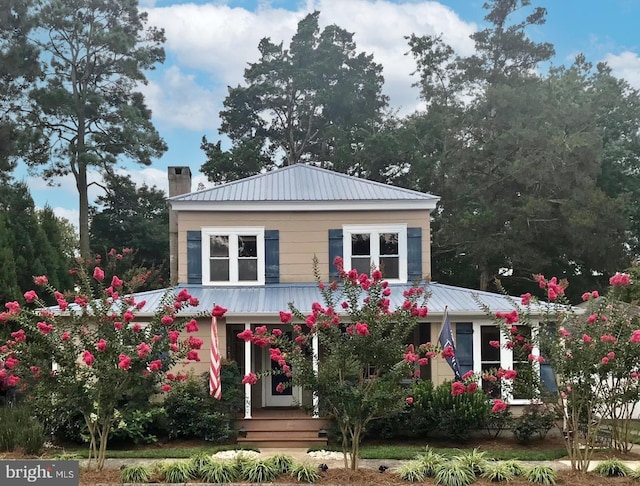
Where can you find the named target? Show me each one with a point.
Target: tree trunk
(83, 223)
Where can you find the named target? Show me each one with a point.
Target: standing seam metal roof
(302, 182)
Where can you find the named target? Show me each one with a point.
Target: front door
(289, 397)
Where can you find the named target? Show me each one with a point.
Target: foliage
(454, 473)
(282, 463)
(221, 472)
(20, 429)
(612, 467)
(541, 474)
(498, 471)
(594, 354)
(192, 413)
(137, 426)
(305, 472)
(476, 460)
(177, 471)
(412, 471)
(136, 473)
(454, 416)
(431, 461)
(134, 218)
(536, 420)
(258, 471)
(497, 422)
(317, 100)
(89, 105)
(101, 353)
(364, 356)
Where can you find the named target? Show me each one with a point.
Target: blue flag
(446, 340)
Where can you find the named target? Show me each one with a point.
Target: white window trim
(233, 260)
(506, 357)
(401, 229)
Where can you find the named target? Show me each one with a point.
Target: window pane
(248, 246)
(361, 245)
(248, 270)
(219, 246)
(219, 270)
(390, 267)
(388, 244)
(488, 352)
(362, 265)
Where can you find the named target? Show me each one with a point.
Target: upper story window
(233, 256)
(384, 247)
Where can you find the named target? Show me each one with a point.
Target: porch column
(248, 366)
(315, 347)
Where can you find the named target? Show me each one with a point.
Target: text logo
(50, 473)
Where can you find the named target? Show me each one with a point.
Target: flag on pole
(215, 386)
(446, 341)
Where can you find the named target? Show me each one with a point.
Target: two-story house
(248, 246)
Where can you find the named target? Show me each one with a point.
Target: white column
(315, 347)
(248, 366)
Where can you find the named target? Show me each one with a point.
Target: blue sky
(210, 42)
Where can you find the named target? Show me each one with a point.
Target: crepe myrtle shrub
(92, 349)
(364, 360)
(594, 352)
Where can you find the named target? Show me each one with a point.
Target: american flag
(215, 386)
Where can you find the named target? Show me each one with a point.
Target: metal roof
(300, 183)
(269, 300)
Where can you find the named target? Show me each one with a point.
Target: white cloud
(625, 65)
(159, 178)
(71, 215)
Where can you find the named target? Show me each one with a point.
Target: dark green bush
(193, 414)
(536, 421)
(453, 417)
(20, 429)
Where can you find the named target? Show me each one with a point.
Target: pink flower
(250, 379)
(193, 355)
(635, 337)
(246, 335)
(457, 388)
(173, 336)
(65, 336)
(35, 371)
(128, 316)
(19, 336)
(45, 328)
(586, 296)
(595, 294)
(11, 362)
(509, 317)
(98, 274)
(87, 357)
(155, 365)
(592, 318)
(495, 344)
(124, 362)
(563, 332)
(586, 338)
(41, 280)
(183, 295)
(143, 350)
(101, 345)
(166, 388)
(447, 352)
(137, 327)
(409, 400)
(525, 299)
(498, 406)
(280, 387)
(620, 280)
(472, 387)
(510, 375)
(192, 326)
(117, 325)
(30, 296)
(13, 307)
(605, 360)
(13, 380)
(218, 311)
(277, 332)
(362, 329)
(116, 283)
(166, 320)
(376, 275)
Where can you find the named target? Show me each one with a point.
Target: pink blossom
(128, 316)
(286, 317)
(592, 318)
(87, 357)
(166, 388)
(173, 336)
(11, 362)
(376, 275)
(495, 344)
(510, 374)
(194, 342)
(605, 360)
(250, 379)
(124, 362)
(472, 387)
(457, 388)
(65, 336)
(277, 332)
(13, 307)
(246, 335)
(499, 406)
(183, 295)
(564, 333)
(362, 329)
(30, 296)
(409, 400)
(192, 326)
(143, 350)
(116, 283)
(35, 371)
(117, 325)
(98, 274)
(525, 299)
(45, 328)
(193, 355)
(586, 338)
(218, 311)
(280, 387)
(137, 327)
(19, 335)
(447, 352)
(620, 280)
(595, 294)
(41, 280)
(608, 338)
(635, 337)
(155, 365)
(80, 300)
(101, 345)
(166, 320)
(509, 317)
(13, 380)
(586, 296)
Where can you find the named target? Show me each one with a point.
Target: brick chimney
(179, 183)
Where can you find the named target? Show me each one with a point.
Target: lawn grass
(157, 453)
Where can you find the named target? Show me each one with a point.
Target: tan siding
(301, 235)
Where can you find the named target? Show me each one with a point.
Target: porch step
(284, 428)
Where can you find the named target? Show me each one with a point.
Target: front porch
(283, 428)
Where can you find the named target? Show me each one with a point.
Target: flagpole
(215, 385)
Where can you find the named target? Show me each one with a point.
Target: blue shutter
(194, 257)
(414, 254)
(272, 256)
(335, 250)
(464, 346)
(547, 376)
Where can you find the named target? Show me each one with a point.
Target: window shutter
(335, 250)
(414, 254)
(464, 346)
(194, 257)
(547, 376)
(272, 256)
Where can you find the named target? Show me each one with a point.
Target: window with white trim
(233, 256)
(487, 356)
(383, 246)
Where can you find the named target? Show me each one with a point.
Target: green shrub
(541, 475)
(475, 460)
(20, 429)
(220, 472)
(31, 437)
(412, 471)
(193, 414)
(137, 425)
(612, 467)
(453, 473)
(498, 471)
(257, 471)
(177, 471)
(431, 462)
(536, 421)
(282, 463)
(135, 473)
(453, 416)
(304, 472)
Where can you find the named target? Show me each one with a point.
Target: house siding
(302, 235)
